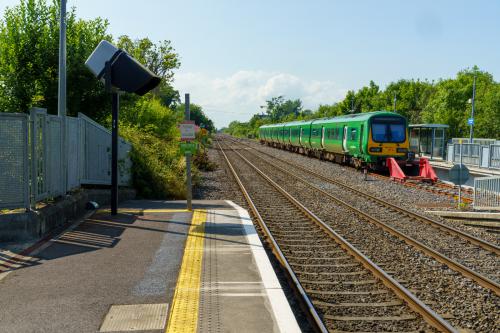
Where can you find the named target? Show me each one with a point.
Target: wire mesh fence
(31, 157)
(14, 172)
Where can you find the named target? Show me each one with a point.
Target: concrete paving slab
(240, 291)
(128, 259)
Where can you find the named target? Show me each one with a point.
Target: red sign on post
(187, 130)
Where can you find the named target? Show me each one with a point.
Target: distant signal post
(187, 147)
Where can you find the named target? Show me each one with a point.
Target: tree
(411, 98)
(160, 58)
(278, 108)
(29, 43)
(198, 116)
(449, 104)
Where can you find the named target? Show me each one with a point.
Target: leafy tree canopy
(198, 116)
(446, 101)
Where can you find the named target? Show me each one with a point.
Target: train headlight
(375, 149)
(402, 150)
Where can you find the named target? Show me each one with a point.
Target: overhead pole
(472, 111)
(189, 189)
(61, 100)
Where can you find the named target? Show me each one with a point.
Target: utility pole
(189, 189)
(61, 98)
(471, 120)
(395, 98)
(352, 104)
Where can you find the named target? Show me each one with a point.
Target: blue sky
(237, 54)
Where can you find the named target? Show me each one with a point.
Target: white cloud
(239, 96)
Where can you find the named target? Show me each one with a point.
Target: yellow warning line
(184, 311)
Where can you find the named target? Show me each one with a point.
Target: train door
(361, 139)
(322, 137)
(344, 139)
(300, 136)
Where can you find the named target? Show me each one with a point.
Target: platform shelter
(428, 140)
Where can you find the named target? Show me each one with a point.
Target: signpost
(188, 147)
(187, 134)
(187, 130)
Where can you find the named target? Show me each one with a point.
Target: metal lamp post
(61, 98)
(471, 119)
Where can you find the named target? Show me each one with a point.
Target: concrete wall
(32, 225)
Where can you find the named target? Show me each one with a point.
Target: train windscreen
(389, 129)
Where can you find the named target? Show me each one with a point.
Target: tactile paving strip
(185, 305)
(136, 317)
(210, 308)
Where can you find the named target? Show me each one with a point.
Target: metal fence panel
(487, 193)
(470, 153)
(495, 156)
(38, 158)
(74, 157)
(485, 156)
(31, 157)
(54, 160)
(97, 153)
(14, 174)
(449, 155)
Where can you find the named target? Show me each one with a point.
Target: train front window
(388, 130)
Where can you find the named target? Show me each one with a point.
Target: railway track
(449, 294)
(472, 257)
(343, 290)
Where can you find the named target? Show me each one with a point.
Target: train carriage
(364, 139)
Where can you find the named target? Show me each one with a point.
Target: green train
(363, 140)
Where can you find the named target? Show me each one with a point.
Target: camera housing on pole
(119, 72)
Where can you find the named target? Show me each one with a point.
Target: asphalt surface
(70, 285)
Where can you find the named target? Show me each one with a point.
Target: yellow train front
(361, 140)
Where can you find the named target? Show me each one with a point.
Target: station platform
(473, 169)
(155, 267)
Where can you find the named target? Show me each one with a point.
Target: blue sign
(470, 121)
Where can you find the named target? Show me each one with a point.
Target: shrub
(158, 170)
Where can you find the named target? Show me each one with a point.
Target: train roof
(355, 116)
(358, 116)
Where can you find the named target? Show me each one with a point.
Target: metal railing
(31, 164)
(482, 156)
(487, 193)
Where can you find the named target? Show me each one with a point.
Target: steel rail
(451, 230)
(465, 271)
(415, 304)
